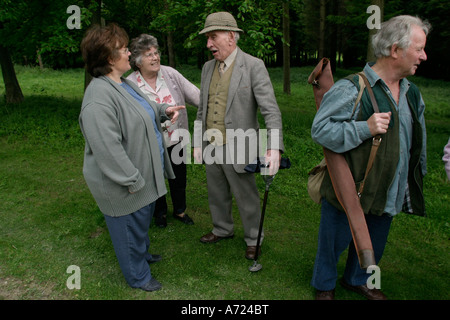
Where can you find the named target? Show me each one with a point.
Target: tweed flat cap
(220, 21)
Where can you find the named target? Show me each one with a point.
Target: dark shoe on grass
(154, 258)
(212, 238)
(152, 285)
(161, 221)
(184, 218)
(370, 294)
(325, 295)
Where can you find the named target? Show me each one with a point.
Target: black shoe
(152, 285)
(185, 219)
(161, 221)
(325, 295)
(154, 258)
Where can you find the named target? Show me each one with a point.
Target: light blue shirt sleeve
(334, 126)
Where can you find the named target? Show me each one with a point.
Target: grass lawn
(49, 220)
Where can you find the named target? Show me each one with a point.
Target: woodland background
(49, 220)
(287, 33)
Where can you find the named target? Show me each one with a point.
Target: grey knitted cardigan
(122, 165)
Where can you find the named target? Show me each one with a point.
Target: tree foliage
(38, 27)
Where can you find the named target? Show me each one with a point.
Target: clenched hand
(379, 122)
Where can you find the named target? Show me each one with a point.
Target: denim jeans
(334, 237)
(129, 235)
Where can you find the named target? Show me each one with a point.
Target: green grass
(49, 220)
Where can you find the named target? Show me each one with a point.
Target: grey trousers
(224, 183)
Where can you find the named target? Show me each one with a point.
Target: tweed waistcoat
(217, 104)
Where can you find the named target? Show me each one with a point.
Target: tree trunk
(170, 49)
(286, 49)
(39, 57)
(331, 34)
(322, 29)
(12, 88)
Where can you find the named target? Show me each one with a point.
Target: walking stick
(268, 179)
(257, 266)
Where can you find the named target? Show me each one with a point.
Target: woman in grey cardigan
(125, 158)
(163, 84)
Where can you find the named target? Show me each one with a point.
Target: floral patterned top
(160, 95)
(171, 88)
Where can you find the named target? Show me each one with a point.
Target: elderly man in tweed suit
(233, 86)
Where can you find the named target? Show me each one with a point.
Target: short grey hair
(397, 31)
(139, 46)
(237, 36)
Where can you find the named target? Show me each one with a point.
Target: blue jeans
(129, 235)
(334, 237)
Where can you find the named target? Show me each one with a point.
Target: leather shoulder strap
(369, 89)
(377, 139)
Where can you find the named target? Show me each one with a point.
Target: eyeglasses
(152, 54)
(124, 51)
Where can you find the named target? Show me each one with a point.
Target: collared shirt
(229, 60)
(336, 129)
(159, 95)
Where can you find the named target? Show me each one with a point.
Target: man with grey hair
(394, 183)
(234, 85)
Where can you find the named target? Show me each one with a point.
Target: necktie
(221, 68)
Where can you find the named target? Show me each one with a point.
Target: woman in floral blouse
(164, 84)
